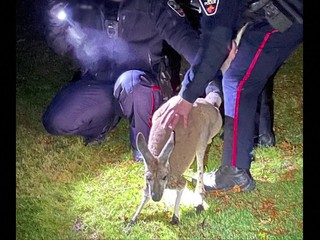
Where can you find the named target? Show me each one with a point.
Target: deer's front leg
(144, 200)
(180, 184)
(175, 216)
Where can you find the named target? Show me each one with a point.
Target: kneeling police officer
(118, 46)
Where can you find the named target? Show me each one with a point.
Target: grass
(67, 191)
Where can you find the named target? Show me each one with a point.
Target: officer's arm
(217, 32)
(176, 29)
(56, 29)
(207, 63)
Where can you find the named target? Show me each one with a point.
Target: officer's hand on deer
(172, 114)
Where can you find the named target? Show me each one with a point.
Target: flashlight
(75, 33)
(62, 16)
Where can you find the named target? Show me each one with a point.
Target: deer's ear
(167, 149)
(143, 147)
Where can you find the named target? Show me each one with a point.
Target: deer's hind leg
(199, 189)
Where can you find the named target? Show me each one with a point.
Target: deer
(169, 153)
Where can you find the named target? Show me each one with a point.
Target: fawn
(168, 154)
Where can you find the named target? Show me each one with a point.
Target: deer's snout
(156, 196)
(156, 189)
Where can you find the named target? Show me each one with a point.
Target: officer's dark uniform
(264, 134)
(174, 58)
(119, 53)
(267, 42)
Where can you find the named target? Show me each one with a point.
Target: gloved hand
(56, 29)
(53, 15)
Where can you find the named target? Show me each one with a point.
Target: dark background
(30, 18)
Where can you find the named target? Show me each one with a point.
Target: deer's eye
(148, 177)
(164, 178)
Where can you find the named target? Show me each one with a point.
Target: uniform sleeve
(215, 43)
(176, 30)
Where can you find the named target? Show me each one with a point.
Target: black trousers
(261, 52)
(88, 107)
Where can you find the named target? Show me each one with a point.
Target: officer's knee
(128, 80)
(53, 123)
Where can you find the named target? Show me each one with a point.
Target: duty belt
(279, 13)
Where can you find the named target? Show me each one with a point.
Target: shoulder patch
(176, 7)
(209, 7)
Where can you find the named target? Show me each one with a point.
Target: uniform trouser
(265, 110)
(89, 107)
(261, 51)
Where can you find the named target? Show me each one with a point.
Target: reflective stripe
(242, 82)
(153, 88)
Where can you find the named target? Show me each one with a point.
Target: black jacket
(140, 27)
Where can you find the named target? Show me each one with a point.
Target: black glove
(53, 15)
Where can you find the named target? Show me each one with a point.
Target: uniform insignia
(209, 7)
(176, 7)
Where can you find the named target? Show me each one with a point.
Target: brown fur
(168, 155)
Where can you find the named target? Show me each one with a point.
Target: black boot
(94, 141)
(90, 141)
(226, 177)
(137, 156)
(266, 140)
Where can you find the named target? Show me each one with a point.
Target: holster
(278, 13)
(164, 78)
(276, 18)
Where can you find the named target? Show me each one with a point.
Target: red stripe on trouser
(242, 82)
(153, 88)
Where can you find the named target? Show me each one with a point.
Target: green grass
(67, 191)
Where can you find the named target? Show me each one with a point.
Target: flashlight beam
(71, 23)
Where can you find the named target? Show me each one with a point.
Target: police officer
(264, 134)
(274, 32)
(118, 46)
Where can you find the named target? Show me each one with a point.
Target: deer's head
(157, 168)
